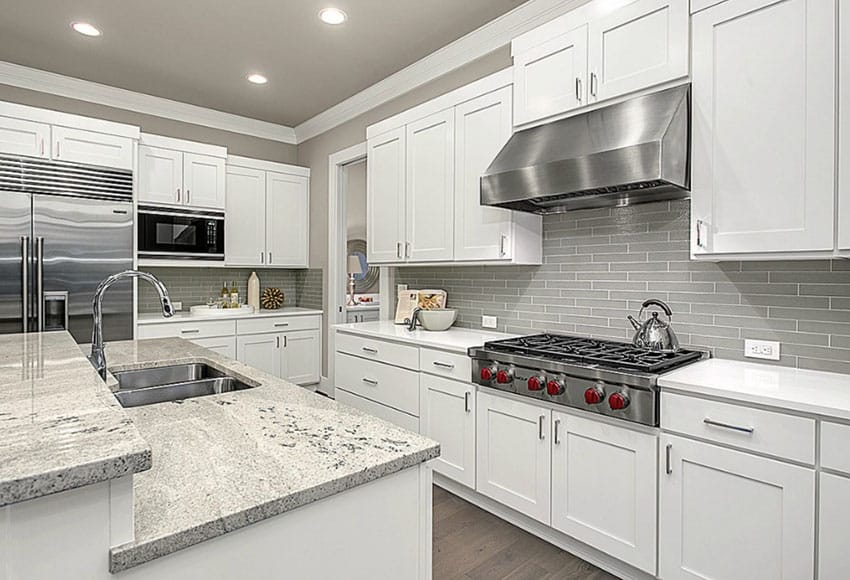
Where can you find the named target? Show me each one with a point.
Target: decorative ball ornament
(272, 299)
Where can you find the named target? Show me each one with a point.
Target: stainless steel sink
(172, 383)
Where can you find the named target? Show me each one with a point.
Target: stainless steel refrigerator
(64, 227)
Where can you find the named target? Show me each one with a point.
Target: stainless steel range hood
(632, 152)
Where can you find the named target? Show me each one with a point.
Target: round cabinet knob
(555, 388)
(487, 374)
(594, 396)
(535, 383)
(618, 401)
(503, 377)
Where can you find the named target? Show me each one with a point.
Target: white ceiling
(199, 51)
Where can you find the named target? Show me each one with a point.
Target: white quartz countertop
(452, 340)
(814, 392)
(185, 316)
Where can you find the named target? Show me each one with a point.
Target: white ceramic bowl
(437, 320)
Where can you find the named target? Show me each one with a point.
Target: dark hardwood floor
(471, 544)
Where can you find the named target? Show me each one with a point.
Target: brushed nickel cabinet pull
(593, 82)
(669, 466)
(443, 365)
(178, 195)
(369, 381)
(578, 89)
(398, 250)
(466, 396)
(540, 432)
(370, 350)
(190, 331)
(555, 431)
(722, 425)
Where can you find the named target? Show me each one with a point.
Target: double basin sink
(173, 383)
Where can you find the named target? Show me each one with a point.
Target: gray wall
(314, 153)
(599, 265)
(236, 144)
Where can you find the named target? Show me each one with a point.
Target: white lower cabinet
(260, 351)
(726, 514)
(225, 345)
(447, 415)
(604, 480)
(834, 527)
(300, 362)
(513, 455)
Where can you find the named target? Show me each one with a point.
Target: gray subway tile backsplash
(600, 264)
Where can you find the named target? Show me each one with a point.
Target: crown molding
(466, 49)
(47, 82)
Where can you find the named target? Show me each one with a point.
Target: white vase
(254, 291)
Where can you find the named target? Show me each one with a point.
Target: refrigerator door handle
(39, 281)
(25, 282)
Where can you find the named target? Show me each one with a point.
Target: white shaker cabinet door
(430, 188)
(731, 515)
(160, 176)
(20, 137)
(204, 181)
(287, 220)
(447, 415)
(604, 488)
(225, 345)
(642, 44)
(385, 197)
(245, 227)
(482, 127)
(833, 556)
(79, 146)
(844, 129)
(551, 78)
(261, 351)
(302, 357)
(763, 127)
(513, 455)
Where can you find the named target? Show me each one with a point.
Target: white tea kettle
(654, 333)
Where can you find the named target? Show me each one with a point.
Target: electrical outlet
(765, 349)
(489, 322)
(177, 306)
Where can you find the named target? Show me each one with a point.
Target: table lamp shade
(354, 266)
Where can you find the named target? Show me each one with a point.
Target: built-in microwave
(177, 234)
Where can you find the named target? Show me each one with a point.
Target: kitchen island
(253, 483)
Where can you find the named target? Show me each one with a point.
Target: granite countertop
(60, 426)
(454, 339)
(226, 461)
(813, 392)
(183, 316)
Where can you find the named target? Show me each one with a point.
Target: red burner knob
(535, 383)
(555, 388)
(594, 396)
(487, 374)
(503, 377)
(618, 401)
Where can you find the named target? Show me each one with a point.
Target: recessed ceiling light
(257, 79)
(333, 16)
(85, 28)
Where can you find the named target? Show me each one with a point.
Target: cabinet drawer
(835, 446)
(385, 384)
(189, 329)
(281, 324)
(754, 429)
(389, 352)
(403, 420)
(445, 364)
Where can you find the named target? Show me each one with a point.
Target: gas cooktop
(601, 376)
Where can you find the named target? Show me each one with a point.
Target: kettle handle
(655, 302)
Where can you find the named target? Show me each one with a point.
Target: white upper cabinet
(268, 214)
(604, 483)
(245, 226)
(763, 177)
(20, 137)
(513, 455)
(385, 201)
(79, 146)
(287, 220)
(551, 78)
(430, 188)
(160, 175)
(424, 183)
(204, 180)
(642, 44)
(844, 130)
(180, 173)
(728, 514)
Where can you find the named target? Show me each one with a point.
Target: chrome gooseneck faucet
(98, 356)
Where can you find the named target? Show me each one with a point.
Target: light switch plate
(764, 349)
(489, 322)
(177, 306)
